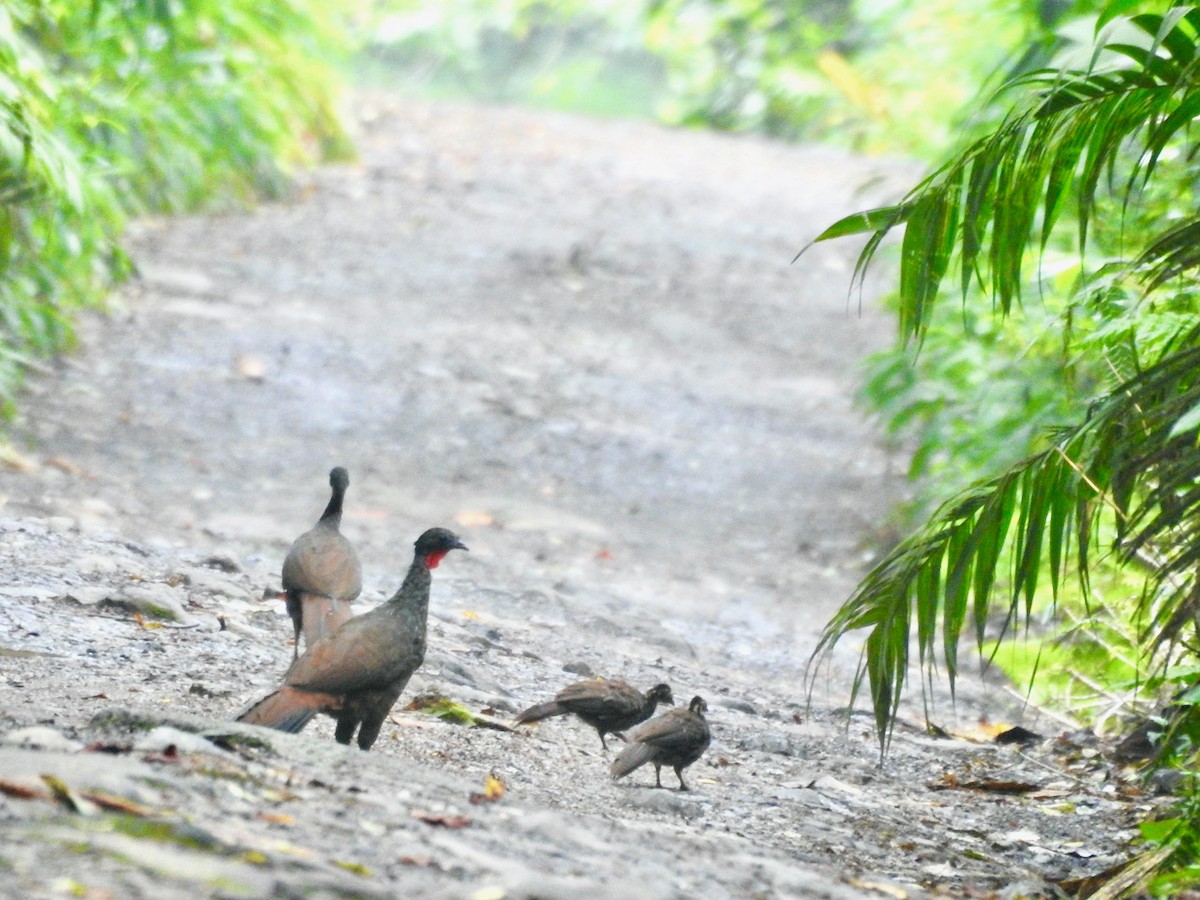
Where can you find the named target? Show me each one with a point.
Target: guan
(607, 704)
(357, 673)
(321, 573)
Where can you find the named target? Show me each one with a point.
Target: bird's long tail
(287, 709)
(541, 711)
(630, 758)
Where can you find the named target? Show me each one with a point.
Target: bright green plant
(116, 107)
(1131, 465)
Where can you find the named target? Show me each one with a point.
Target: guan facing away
(356, 673)
(607, 704)
(321, 573)
(675, 739)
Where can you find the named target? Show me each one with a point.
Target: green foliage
(565, 54)
(118, 107)
(1087, 142)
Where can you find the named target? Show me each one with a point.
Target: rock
(735, 703)
(152, 600)
(88, 596)
(579, 668)
(163, 737)
(209, 582)
(40, 737)
(768, 742)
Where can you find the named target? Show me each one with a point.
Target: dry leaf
(493, 790)
(65, 465)
(20, 791)
(67, 797)
(276, 818)
(442, 820)
(114, 803)
(951, 782)
(11, 459)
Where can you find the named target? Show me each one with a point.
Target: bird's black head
(661, 693)
(698, 706)
(435, 544)
(339, 479)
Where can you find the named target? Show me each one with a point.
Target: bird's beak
(459, 545)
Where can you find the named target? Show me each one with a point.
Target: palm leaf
(1129, 460)
(1064, 142)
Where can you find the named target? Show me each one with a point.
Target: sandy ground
(583, 346)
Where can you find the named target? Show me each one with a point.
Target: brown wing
(322, 561)
(676, 731)
(610, 698)
(361, 655)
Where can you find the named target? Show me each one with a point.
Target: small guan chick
(357, 673)
(676, 739)
(321, 573)
(607, 704)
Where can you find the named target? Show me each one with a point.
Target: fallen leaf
(115, 804)
(276, 818)
(951, 782)
(470, 614)
(21, 791)
(493, 790)
(421, 862)
(444, 708)
(67, 797)
(441, 820)
(604, 554)
(10, 458)
(356, 868)
(65, 465)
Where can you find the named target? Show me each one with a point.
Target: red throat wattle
(432, 559)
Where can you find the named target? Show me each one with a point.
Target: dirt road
(583, 346)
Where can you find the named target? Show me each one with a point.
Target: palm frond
(1005, 192)
(1130, 460)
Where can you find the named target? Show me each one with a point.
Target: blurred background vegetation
(116, 108)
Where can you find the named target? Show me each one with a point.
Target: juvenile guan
(607, 704)
(321, 573)
(676, 739)
(356, 673)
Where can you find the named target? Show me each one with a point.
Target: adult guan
(321, 573)
(609, 705)
(357, 673)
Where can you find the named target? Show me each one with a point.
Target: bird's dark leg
(657, 775)
(621, 735)
(679, 774)
(603, 743)
(346, 724)
(296, 612)
(370, 730)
